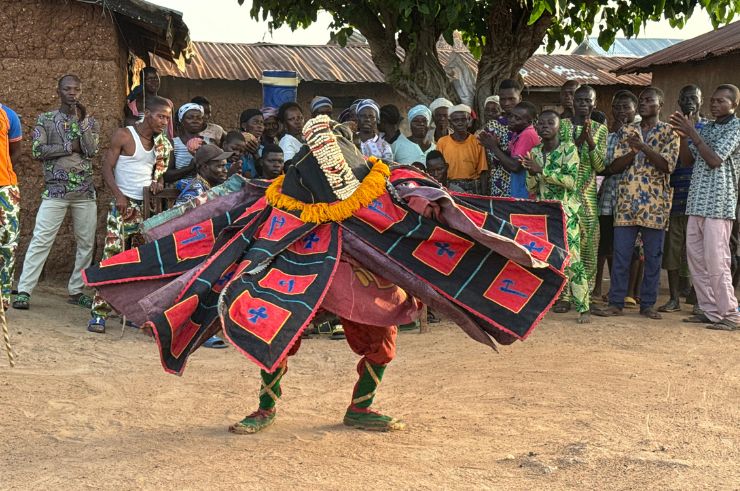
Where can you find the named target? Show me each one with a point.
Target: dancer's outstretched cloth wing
(263, 268)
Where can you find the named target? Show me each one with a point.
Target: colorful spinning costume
(591, 162)
(344, 235)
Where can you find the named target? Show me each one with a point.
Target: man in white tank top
(137, 158)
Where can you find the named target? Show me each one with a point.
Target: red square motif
(477, 217)
(534, 224)
(539, 248)
(287, 284)
(315, 242)
(130, 256)
(278, 225)
(194, 242)
(183, 329)
(258, 316)
(513, 287)
(381, 214)
(443, 250)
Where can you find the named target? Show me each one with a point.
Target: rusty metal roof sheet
(722, 41)
(331, 63)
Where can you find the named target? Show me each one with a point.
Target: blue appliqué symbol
(532, 246)
(536, 234)
(507, 288)
(225, 278)
(444, 248)
(275, 223)
(309, 240)
(197, 234)
(377, 207)
(256, 314)
(289, 283)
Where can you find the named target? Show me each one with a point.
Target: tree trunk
(511, 43)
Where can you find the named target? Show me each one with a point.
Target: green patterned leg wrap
(270, 391)
(359, 414)
(263, 417)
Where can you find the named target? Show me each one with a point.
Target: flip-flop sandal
(22, 301)
(630, 303)
(610, 311)
(723, 325)
(697, 319)
(561, 307)
(651, 314)
(81, 300)
(215, 342)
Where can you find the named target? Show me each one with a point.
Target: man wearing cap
(321, 105)
(468, 167)
(440, 119)
(210, 166)
(404, 150)
(137, 158)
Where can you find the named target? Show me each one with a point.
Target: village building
(228, 74)
(707, 61)
(100, 42)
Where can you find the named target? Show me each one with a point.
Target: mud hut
(97, 40)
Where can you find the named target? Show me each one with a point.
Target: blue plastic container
(279, 87)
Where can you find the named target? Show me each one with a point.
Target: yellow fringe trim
(371, 188)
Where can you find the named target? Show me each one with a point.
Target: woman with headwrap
(371, 144)
(186, 143)
(419, 119)
(404, 150)
(272, 125)
(291, 116)
(348, 117)
(133, 111)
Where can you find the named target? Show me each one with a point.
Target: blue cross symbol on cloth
(507, 288)
(377, 207)
(532, 246)
(444, 248)
(197, 234)
(276, 222)
(256, 314)
(289, 283)
(225, 278)
(309, 240)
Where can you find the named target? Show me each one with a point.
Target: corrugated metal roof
(331, 63)
(554, 70)
(624, 47)
(724, 40)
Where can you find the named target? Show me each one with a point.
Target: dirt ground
(619, 404)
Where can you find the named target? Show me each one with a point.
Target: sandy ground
(619, 404)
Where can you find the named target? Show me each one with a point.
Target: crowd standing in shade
(648, 194)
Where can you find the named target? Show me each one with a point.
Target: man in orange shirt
(10, 198)
(468, 167)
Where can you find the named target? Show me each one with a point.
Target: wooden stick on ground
(6, 337)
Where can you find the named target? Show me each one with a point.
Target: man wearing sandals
(714, 151)
(137, 158)
(645, 155)
(65, 141)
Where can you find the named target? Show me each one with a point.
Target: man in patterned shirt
(646, 155)
(714, 151)
(65, 141)
(624, 110)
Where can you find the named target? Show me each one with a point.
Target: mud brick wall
(42, 40)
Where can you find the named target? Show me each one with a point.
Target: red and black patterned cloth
(494, 266)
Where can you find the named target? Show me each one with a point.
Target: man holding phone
(65, 141)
